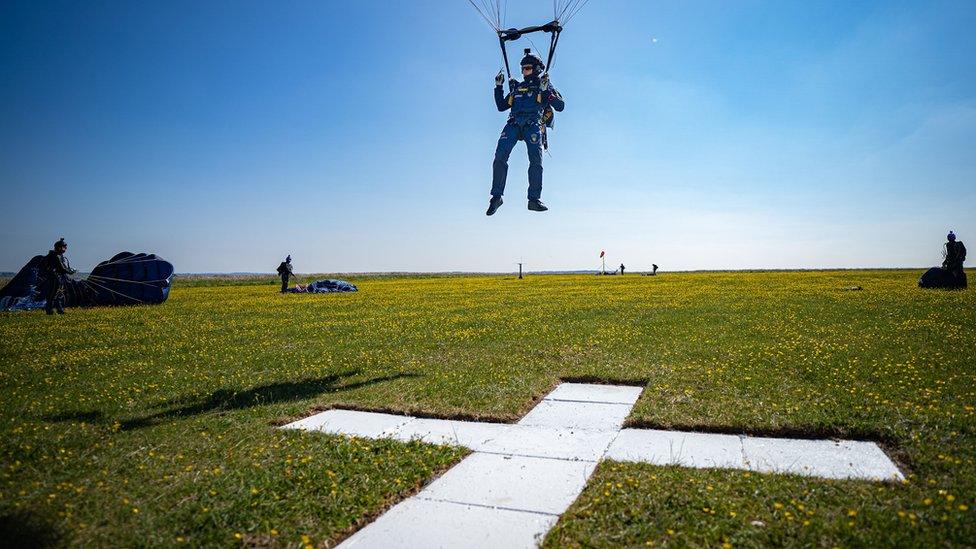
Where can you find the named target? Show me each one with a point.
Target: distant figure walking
(654, 271)
(285, 271)
(622, 268)
(56, 269)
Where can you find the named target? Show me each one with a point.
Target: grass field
(155, 425)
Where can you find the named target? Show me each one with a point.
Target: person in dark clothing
(284, 271)
(56, 269)
(654, 272)
(955, 254)
(532, 102)
(622, 268)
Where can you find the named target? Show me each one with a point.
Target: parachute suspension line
(490, 10)
(107, 279)
(484, 15)
(567, 8)
(580, 4)
(124, 261)
(89, 281)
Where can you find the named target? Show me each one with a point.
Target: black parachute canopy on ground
(937, 277)
(126, 279)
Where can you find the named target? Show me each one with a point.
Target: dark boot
(493, 205)
(536, 205)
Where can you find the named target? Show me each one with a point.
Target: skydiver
(56, 268)
(284, 271)
(955, 255)
(530, 102)
(622, 268)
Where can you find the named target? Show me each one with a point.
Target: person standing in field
(56, 269)
(622, 268)
(955, 254)
(285, 271)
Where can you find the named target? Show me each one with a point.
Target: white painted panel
(513, 482)
(699, 450)
(577, 415)
(420, 523)
(820, 458)
(349, 422)
(593, 392)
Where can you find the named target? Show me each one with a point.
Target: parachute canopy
(130, 278)
(494, 13)
(937, 277)
(125, 279)
(324, 287)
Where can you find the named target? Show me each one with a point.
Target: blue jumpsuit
(524, 123)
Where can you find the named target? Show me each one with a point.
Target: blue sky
(358, 135)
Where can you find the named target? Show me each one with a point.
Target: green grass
(155, 425)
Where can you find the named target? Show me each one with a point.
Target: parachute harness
(509, 35)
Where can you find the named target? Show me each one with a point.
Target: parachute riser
(554, 28)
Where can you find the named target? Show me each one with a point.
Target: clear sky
(357, 135)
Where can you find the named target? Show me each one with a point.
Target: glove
(499, 78)
(544, 82)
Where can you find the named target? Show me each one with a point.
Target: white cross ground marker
(511, 490)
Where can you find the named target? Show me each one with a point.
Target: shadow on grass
(80, 416)
(22, 529)
(287, 391)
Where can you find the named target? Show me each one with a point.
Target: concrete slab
(698, 450)
(593, 392)
(349, 422)
(444, 431)
(820, 458)
(576, 444)
(510, 492)
(541, 485)
(421, 523)
(577, 415)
